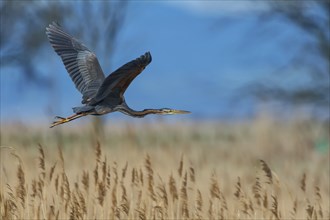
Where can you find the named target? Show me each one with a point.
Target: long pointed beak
(180, 112)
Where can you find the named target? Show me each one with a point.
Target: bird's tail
(83, 109)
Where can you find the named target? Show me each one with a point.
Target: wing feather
(118, 81)
(81, 64)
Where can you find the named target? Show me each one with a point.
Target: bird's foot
(60, 120)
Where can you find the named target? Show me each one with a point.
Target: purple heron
(100, 94)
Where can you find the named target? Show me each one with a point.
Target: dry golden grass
(260, 169)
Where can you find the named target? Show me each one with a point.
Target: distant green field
(261, 169)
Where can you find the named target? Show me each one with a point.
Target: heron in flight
(100, 94)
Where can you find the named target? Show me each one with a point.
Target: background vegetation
(259, 169)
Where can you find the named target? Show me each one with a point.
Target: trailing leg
(62, 120)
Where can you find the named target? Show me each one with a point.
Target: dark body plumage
(100, 95)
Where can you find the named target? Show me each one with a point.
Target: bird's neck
(131, 112)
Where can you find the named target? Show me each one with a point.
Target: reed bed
(260, 169)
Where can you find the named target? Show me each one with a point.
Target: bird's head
(168, 111)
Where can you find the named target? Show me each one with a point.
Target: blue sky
(202, 55)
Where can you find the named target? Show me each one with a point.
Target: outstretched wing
(81, 64)
(118, 81)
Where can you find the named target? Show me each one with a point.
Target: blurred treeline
(23, 26)
(312, 61)
(23, 37)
